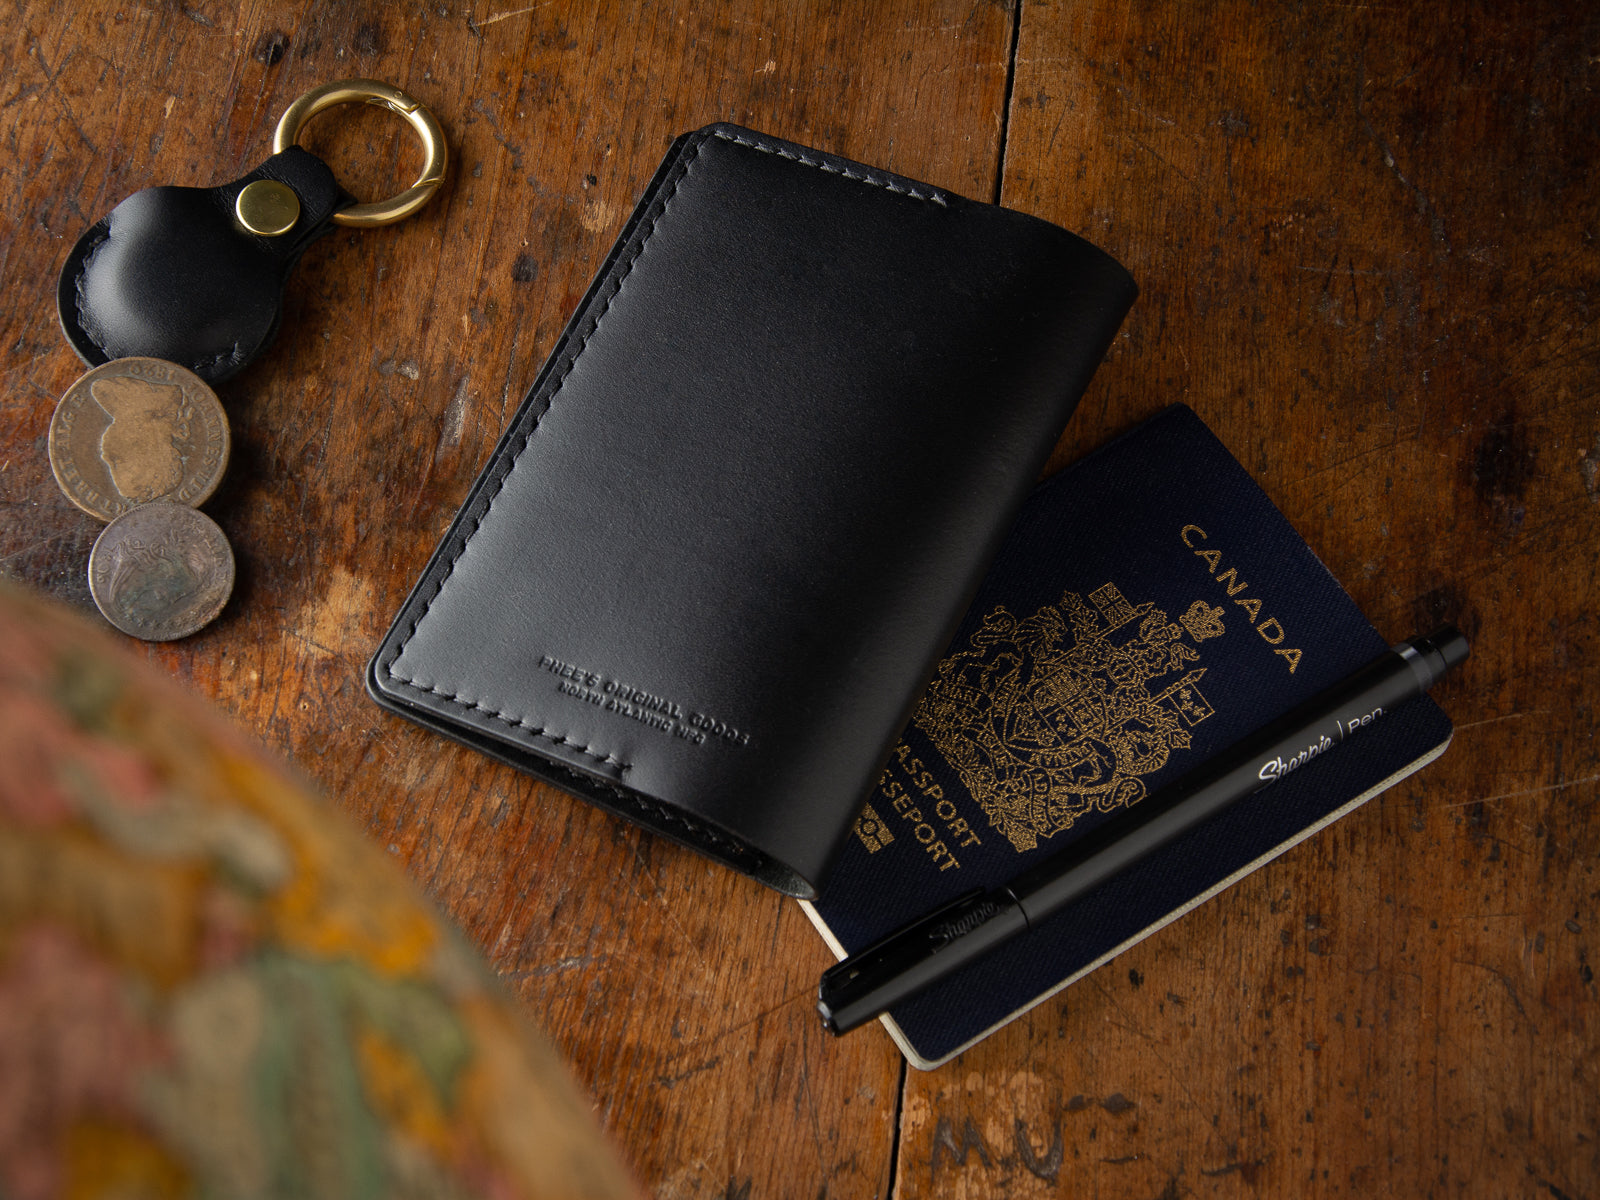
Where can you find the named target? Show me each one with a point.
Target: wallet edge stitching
(511, 462)
(519, 722)
(887, 185)
(554, 389)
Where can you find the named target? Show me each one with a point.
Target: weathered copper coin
(135, 430)
(161, 571)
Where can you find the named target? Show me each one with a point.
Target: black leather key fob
(175, 273)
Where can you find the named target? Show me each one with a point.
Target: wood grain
(1365, 242)
(1365, 239)
(681, 993)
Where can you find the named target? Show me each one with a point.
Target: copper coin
(161, 571)
(135, 430)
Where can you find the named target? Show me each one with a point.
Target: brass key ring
(436, 155)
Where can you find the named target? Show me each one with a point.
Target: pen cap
(1441, 650)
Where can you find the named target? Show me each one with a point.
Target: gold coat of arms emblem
(1063, 713)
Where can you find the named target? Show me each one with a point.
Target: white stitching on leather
(555, 388)
(538, 730)
(873, 180)
(511, 462)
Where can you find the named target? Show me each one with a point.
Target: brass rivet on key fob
(267, 207)
(141, 438)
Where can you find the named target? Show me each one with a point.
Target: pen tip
(826, 1013)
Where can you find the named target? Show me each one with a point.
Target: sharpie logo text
(1277, 768)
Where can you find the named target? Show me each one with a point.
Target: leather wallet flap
(707, 570)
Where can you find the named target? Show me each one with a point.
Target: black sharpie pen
(935, 946)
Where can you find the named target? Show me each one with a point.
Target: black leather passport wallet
(724, 541)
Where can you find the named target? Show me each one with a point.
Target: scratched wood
(1366, 246)
(681, 994)
(1365, 237)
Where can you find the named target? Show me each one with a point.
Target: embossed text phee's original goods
(637, 704)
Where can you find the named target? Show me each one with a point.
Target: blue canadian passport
(1150, 607)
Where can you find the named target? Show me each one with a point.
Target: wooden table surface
(1366, 241)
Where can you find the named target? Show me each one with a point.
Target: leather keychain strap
(195, 276)
(174, 289)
